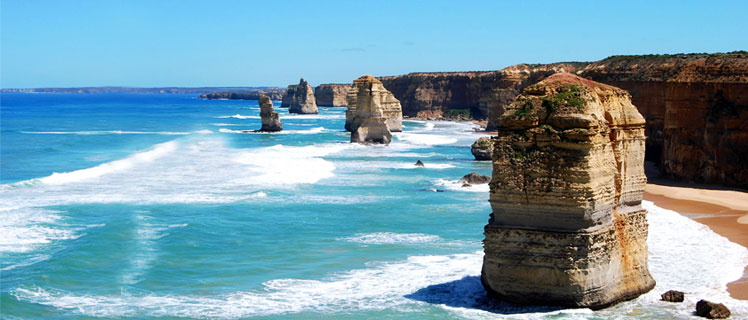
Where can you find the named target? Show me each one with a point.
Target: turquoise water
(162, 206)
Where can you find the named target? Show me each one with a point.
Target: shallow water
(143, 206)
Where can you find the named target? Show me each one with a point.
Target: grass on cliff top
(566, 95)
(662, 57)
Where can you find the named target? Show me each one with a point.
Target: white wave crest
(238, 116)
(391, 238)
(425, 139)
(457, 185)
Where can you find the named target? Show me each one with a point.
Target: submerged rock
(711, 310)
(271, 122)
(567, 226)
(372, 112)
(300, 98)
(369, 94)
(474, 178)
(672, 296)
(482, 148)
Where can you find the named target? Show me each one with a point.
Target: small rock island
(373, 112)
(271, 122)
(567, 226)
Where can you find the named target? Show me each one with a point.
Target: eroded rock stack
(369, 95)
(373, 112)
(300, 98)
(271, 122)
(567, 226)
(482, 149)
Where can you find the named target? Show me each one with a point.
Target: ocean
(143, 206)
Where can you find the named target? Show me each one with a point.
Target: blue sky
(273, 43)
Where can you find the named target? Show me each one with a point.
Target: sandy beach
(723, 210)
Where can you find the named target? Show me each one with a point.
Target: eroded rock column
(567, 226)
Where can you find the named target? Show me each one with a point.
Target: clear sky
(273, 43)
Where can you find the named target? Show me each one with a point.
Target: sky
(274, 43)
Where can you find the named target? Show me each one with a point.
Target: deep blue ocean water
(162, 206)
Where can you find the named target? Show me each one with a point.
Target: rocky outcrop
(567, 226)
(711, 310)
(482, 149)
(373, 112)
(696, 106)
(474, 178)
(300, 98)
(332, 95)
(476, 95)
(271, 122)
(672, 296)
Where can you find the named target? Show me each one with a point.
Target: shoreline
(725, 211)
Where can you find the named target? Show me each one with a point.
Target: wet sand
(723, 210)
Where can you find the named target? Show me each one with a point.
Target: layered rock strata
(373, 112)
(332, 95)
(300, 98)
(271, 121)
(368, 97)
(567, 226)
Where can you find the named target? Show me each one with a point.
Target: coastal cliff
(696, 107)
(567, 226)
(274, 95)
(332, 95)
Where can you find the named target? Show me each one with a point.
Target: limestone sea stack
(369, 94)
(300, 98)
(567, 226)
(289, 96)
(271, 122)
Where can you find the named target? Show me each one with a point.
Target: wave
(391, 238)
(700, 264)
(307, 131)
(425, 139)
(156, 152)
(238, 116)
(457, 185)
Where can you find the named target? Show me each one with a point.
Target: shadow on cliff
(468, 293)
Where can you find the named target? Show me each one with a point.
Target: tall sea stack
(300, 98)
(369, 91)
(567, 226)
(373, 112)
(270, 120)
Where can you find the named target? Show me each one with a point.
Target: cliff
(300, 98)
(332, 95)
(567, 226)
(466, 95)
(373, 112)
(241, 95)
(696, 106)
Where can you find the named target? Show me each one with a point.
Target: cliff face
(696, 108)
(372, 112)
(368, 98)
(567, 226)
(300, 98)
(333, 95)
(241, 95)
(466, 95)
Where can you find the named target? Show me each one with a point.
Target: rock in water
(482, 148)
(271, 122)
(711, 310)
(567, 226)
(333, 95)
(672, 296)
(300, 98)
(419, 163)
(474, 178)
(369, 94)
